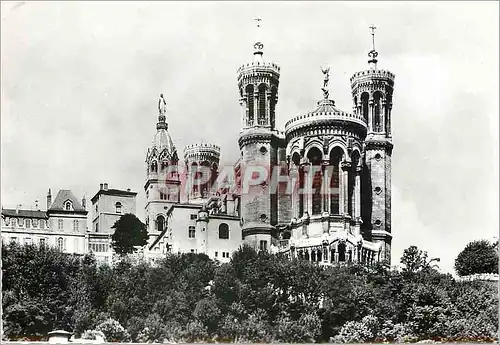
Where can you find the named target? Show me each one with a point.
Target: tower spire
(373, 53)
(162, 113)
(258, 46)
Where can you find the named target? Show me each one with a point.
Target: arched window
(335, 158)
(250, 104)
(224, 231)
(118, 207)
(160, 223)
(42, 223)
(154, 166)
(60, 244)
(364, 106)
(376, 111)
(262, 105)
(315, 156)
(341, 248)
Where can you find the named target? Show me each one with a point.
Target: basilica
(340, 161)
(325, 198)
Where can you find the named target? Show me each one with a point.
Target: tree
(129, 233)
(415, 260)
(477, 257)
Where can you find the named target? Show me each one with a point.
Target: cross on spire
(373, 27)
(373, 53)
(258, 20)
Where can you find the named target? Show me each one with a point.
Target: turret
(372, 91)
(202, 164)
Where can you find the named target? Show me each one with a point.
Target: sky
(80, 84)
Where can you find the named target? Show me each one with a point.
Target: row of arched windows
(327, 201)
(266, 107)
(364, 108)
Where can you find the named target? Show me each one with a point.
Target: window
(194, 216)
(60, 224)
(96, 208)
(28, 241)
(7, 221)
(118, 207)
(75, 225)
(192, 250)
(13, 239)
(42, 242)
(28, 223)
(160, 223)
(192, 232)
(163, 196)
(42, 223)
(96, 227)
(34, 222)
(263, 245)
(20, 221)
(60, 244)
(216, 254)
(67, 206)
(224, 231)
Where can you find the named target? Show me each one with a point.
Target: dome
(324, 114)
(162, 141)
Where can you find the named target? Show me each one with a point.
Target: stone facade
(62, 225)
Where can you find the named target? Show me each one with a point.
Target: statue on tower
(326, 73)
(162, 105)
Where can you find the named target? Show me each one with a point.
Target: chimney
(36, 205)
(49, 199)
(101, 187)
(17, 208)
(84, 203)
(128, 189)
(105, 186)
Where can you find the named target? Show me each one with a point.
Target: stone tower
(372, 91)
(202, 164)
(162, 185)
(258, 141)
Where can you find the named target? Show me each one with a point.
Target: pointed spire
(373, 53)
(162, 113)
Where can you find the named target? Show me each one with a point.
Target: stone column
(371, 110)
(256, 107)
(357, 193)
(388, 130)
(306, 189)
(382, 116)
(325, 183)
(268, 108)
(346, 166)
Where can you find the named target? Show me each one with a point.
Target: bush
(113, 331)
(93, 335)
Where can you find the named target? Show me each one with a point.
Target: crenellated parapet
(201, 152)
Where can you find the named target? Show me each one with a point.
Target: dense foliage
(256, 297)
(477, 257)
(129, 233)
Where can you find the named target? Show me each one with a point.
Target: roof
(62, 196)
(7, 212)
(162, 141)
(114, 192)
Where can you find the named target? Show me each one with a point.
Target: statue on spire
(162, 105)
(326, 73)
